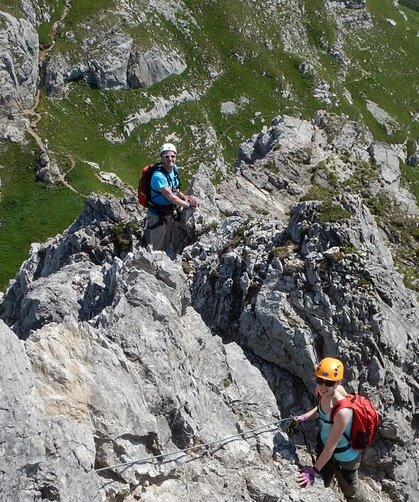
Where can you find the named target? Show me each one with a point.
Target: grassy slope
(249, 69)
(387, 69)
(29, 210)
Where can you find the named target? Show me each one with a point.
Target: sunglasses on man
(169, 156)
(328, 383)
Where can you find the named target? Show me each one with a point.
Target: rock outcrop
(18, 64)
(111, 61)
(48, 171)
(18, 75)
(43, 456)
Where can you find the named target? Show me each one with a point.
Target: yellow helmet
(330, 368)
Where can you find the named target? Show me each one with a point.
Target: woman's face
(325, 387)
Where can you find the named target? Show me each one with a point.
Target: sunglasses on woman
(328, 383)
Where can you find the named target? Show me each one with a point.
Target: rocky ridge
(124, 354)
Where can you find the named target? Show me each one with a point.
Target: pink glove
(301, 418)
(307, 476)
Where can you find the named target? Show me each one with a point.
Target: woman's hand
(307, 476)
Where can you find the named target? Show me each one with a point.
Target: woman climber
(335, 457)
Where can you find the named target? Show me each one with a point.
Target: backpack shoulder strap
(176, 171)
(343, 403)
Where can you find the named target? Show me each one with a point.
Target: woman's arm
(340, 422)
(308, 415)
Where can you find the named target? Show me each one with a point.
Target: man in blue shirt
(166, 199)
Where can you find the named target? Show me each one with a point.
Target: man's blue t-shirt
(158, 181)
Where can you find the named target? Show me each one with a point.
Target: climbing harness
(257, 430)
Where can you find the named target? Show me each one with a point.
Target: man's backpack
(365, 421)
(144, 185)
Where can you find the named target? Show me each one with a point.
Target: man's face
(168, 159)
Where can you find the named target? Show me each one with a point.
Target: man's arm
(174, 199)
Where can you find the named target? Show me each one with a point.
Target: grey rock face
(150, 67)
(48, 171)
(53, 456)
(13, 129)
(108, 60)
(142, 374)
(413, 160)
(294, 295)
(355, 4)
(388, 160)
(18, 64)
(383, 118)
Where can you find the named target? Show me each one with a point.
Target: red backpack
(365, 421)
(144, 185)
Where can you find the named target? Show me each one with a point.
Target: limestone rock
(48, 171)
(18, 64)
(139, 355)
(150, 67)
(53, 455)
(388, 159)
(144, 376)
(383, 118)
(355, 4)
(111, 61)
(413, 160)
(13, 129)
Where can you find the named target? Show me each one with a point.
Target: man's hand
(192, 200)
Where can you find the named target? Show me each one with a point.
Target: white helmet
(168, 147)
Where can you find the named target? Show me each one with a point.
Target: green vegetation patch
(329, 211)
(384, 69)
(85, 11)
(84, 179)
(30, 211)
(12, 7)
(322, 34)
(77, 124)
(56, 9)
(403, 233)
(411, 176)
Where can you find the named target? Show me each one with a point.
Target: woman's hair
(341, 389)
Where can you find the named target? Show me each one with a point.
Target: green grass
(386, 70)
(322, 34)
(328, 212)
(83, 178)
(411, 175)
(412, 4)
(12, 7)
(76, 126)
(44, 29)
(30, 211)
